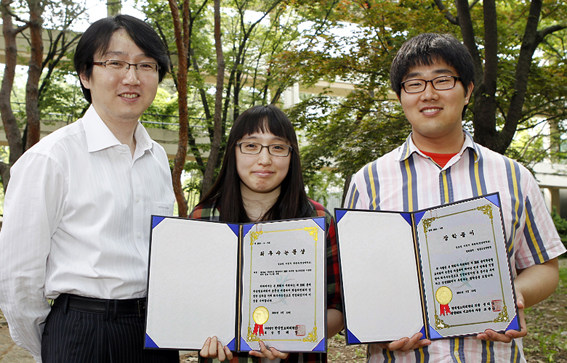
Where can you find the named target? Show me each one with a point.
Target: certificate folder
(442, 271)
(240, 282)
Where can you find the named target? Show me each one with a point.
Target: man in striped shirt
(440, 163)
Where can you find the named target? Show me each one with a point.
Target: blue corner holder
(156, 220)
(493, 198)
(320, 221)
(418, 217)
(407, 217)
(434, 334)
(244, 347)
(246, 228)
(150, 343)
(321, 347)
(422, 331)
(232, 345)
(351, 338)
(513, 324)
(234, 228)
(339, 214)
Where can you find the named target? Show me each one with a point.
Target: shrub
(561, 225)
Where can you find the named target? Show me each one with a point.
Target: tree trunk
(530, 41)
(9, 121)
(485, 102)
(113, 7)
(34, 72)
(208, 178)
(181, 32)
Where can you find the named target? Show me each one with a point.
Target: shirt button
(139, 235)
(137, 199)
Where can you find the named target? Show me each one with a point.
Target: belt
(101, 306)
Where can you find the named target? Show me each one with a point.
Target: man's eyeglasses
(441, 83)
(256, 148)
(118, 65)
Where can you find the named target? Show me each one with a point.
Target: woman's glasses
(256, 148)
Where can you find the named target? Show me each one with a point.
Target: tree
(368, 122)
(181, 28)
(494, 96)
(214, 154)
(18, 144)
(29, 18)
(242, 66)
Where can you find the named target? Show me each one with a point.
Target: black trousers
(72, 336)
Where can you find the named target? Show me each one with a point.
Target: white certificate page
(192, 284)
(380, 279)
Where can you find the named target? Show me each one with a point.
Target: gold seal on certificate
(444, 295)
(260, 316)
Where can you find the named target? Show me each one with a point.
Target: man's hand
(507, 337)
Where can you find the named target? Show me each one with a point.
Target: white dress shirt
(77, 220)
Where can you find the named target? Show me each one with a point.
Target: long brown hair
(292, 201)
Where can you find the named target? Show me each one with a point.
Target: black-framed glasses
(118, 65)
(256, 148)
(441, 83)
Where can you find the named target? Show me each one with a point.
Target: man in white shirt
(78, 206)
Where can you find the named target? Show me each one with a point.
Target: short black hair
(97, 39)
(423, 50)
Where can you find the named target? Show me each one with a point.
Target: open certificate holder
(442, 271)
(240, 282)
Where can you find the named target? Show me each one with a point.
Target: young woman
(260, 180)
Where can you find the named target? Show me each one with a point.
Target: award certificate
(243, 283)
(442, 271)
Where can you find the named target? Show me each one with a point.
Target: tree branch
(452, 19)
(551, 29)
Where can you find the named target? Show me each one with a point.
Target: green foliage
(368, 122)
(320, 184)
(528, 146)
(343, 141)
(63, 100)
(162, 111)
(344, 133)
(561, 225)
(347, 132)
(254, 35)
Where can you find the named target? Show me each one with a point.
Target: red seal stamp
(497, 305)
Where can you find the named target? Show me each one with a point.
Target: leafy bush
(561, 225)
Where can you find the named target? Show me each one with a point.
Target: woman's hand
(406, 343)
(271, 353)
(214, 349)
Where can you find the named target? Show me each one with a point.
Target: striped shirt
(408, 180)
(210, 212)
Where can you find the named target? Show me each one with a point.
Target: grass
(547, 325)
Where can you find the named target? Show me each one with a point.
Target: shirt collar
(408, 148)
(99, 136)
